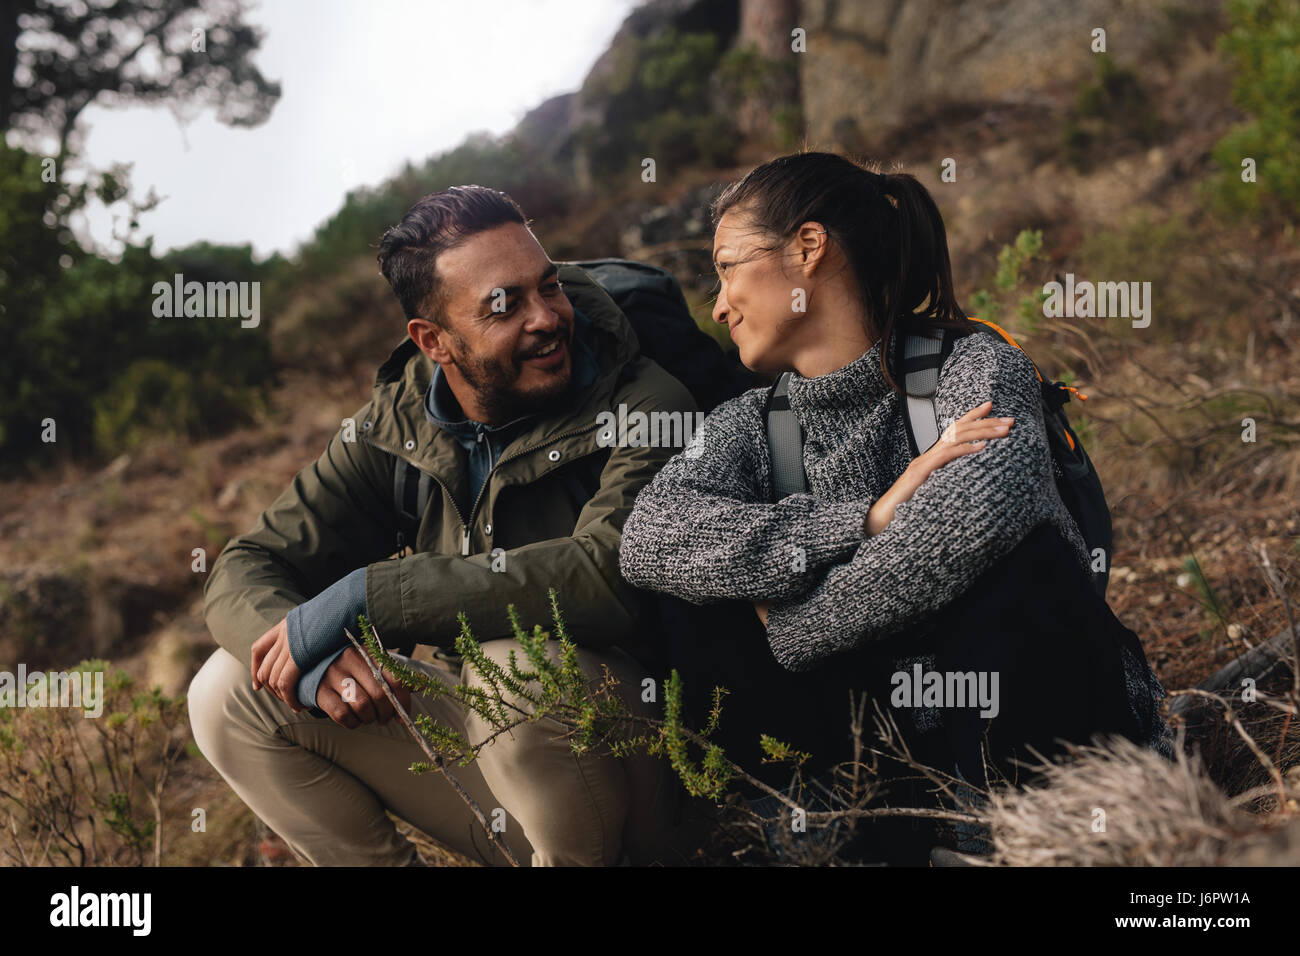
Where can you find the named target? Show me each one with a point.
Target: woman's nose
(720, 308)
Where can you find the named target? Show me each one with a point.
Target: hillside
(1109, 156)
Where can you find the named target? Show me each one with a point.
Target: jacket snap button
(487, 528)
(554, 455)
(410, 443)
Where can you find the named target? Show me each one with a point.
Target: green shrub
(674, 138)
(75, 324)
(1179, 258)
(154, 398)
(655, 102)
(540, 188)
(1264, 43)
(1013, 260)
(1111, 111)
(80, 790)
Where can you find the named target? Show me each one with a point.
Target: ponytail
(886, 223)
(922, 276)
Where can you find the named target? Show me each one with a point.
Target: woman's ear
(809, 246)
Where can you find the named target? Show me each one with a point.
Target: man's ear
(429, 339)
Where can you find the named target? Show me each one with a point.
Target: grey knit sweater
(705, 529)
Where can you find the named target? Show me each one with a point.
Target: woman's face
(759, 299)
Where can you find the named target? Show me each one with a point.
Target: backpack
(921, 359)
(656, 309)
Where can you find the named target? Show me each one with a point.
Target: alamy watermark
(210, 300)
(922, 688)
(84, 689)
(650, 430)
(129, 910)
(1084, 299)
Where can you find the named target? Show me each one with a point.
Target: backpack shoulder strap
(920, 360)
(411, 490)
(784, 441)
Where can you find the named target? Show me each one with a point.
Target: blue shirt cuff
(315, 631)
(315, 627)
(309, 683)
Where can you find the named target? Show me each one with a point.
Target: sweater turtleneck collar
(857, 386)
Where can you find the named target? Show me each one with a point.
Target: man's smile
(551, 356)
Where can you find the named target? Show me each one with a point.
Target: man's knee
(593, 663)
(209, 699)
(498, 653)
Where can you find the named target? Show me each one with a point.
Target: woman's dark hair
(886, 223)
(409, 251)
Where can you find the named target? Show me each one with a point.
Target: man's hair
(408, 252)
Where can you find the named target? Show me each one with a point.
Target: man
(495, 397)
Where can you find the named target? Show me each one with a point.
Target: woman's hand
(965, 436)
(274, 667)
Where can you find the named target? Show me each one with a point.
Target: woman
(962, 560)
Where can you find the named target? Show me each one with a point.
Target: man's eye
(551, 288)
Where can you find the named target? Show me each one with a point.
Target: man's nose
(542, 318)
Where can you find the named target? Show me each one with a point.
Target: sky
(366, 86)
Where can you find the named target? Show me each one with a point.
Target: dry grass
(1120, 805)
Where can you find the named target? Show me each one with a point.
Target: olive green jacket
(555, 501)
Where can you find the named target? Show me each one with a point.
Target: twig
(437, 761)
(1231, 717)
(1275, 582)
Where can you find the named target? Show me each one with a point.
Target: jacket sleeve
(966, 515)
(705, 530)
(417, 598)
(335, 517)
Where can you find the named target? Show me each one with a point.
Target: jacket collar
(444, 411)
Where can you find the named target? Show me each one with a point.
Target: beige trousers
(325, 789)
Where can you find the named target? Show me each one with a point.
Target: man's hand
(351, 696)
(274, 666)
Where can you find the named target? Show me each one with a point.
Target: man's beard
(493, 383)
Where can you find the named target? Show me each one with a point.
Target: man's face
(507, 328)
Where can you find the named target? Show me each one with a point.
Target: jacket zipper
(464, 525)
(445, 490)
(524, 451)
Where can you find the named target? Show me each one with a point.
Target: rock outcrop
(874, 65)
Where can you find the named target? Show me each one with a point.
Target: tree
(59, 56)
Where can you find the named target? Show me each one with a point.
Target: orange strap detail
(1006, 335)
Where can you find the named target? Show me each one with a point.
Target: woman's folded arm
(703, 529)
(966, 515)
